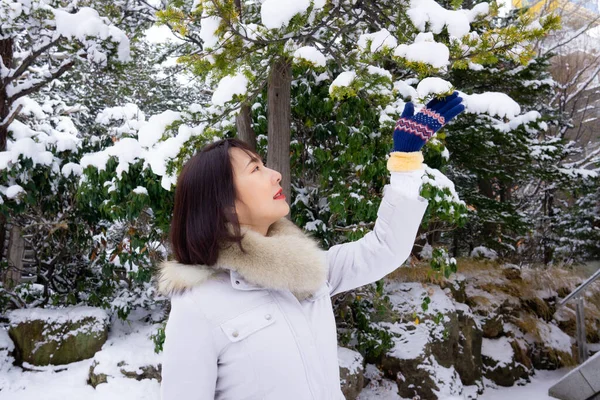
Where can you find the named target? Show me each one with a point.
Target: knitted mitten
(413, 131)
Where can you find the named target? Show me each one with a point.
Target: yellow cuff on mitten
(405, 161)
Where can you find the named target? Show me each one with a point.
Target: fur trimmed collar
(285, 259)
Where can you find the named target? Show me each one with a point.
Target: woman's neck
(262, 229)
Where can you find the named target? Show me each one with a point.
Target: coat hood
(285, 259)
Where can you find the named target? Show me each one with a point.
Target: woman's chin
(287, 208)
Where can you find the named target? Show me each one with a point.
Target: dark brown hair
(205, 204)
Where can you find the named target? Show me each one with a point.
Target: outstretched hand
(413, 131)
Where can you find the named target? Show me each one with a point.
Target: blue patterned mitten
(413, 131)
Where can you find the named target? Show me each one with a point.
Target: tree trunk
(6, 54)
(238, 6)
(243, 122)
(279, 111)
(455, 250)
(486, 188)
(16, 249)
(548, 229)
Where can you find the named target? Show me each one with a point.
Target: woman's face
(256, 186)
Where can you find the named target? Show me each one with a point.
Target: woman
(258, 323)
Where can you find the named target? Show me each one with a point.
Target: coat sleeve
(189, 360)
(390, 242)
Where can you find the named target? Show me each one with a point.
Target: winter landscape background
(101, 103)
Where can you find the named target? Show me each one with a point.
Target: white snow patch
(517, 121)
(373, 70)
(427, 251)
(127, 151)
(13, 191)
(379, 41)
(433, 85)
(426, 50)
(5, 341)
(492, 103)
(349, 359)
(151, 132)
(554, 337)
(126, 112)
(499, 350)
(228, 87)
(423, 12)
(278, 13)
(128, 341)
(87, 22)
(310, 54)
(405, 89)
(536, 390)
(441, 181)
(71, 168)
(140, 190)
(342, 80)
(482, 251)
(208, 27)
(58, 315)
(313, 225)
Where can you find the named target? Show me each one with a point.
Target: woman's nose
(277, 176)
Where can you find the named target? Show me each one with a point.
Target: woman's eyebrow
(253, 160)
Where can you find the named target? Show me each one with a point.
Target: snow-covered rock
(484, 252)
(551, 348)
(351, 372)
(57, 336)
(505, 361)
(436, 350)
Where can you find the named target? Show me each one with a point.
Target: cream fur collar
(285, 259)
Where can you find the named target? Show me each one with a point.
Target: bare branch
(34, 88)
(575, 36)
(9, 119)
(27, 62)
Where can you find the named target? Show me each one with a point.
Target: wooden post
(582, 353)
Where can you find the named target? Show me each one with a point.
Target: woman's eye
(255, 168)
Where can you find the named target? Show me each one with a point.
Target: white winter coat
(261, 325)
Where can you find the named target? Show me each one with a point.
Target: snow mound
(433, 85)
(228, 87)
(349, 359)
(59, 315)
(87, 23)
(429, 12)
(426, 50)
(344, 79)
(278, 13)
(311, 54)
(499, 350)
(378, 41)
(482, 251)
(492, 103)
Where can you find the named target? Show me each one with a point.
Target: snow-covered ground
(127, 341)
(536, 390)
(131, 342)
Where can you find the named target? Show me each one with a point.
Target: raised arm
(389, 244)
